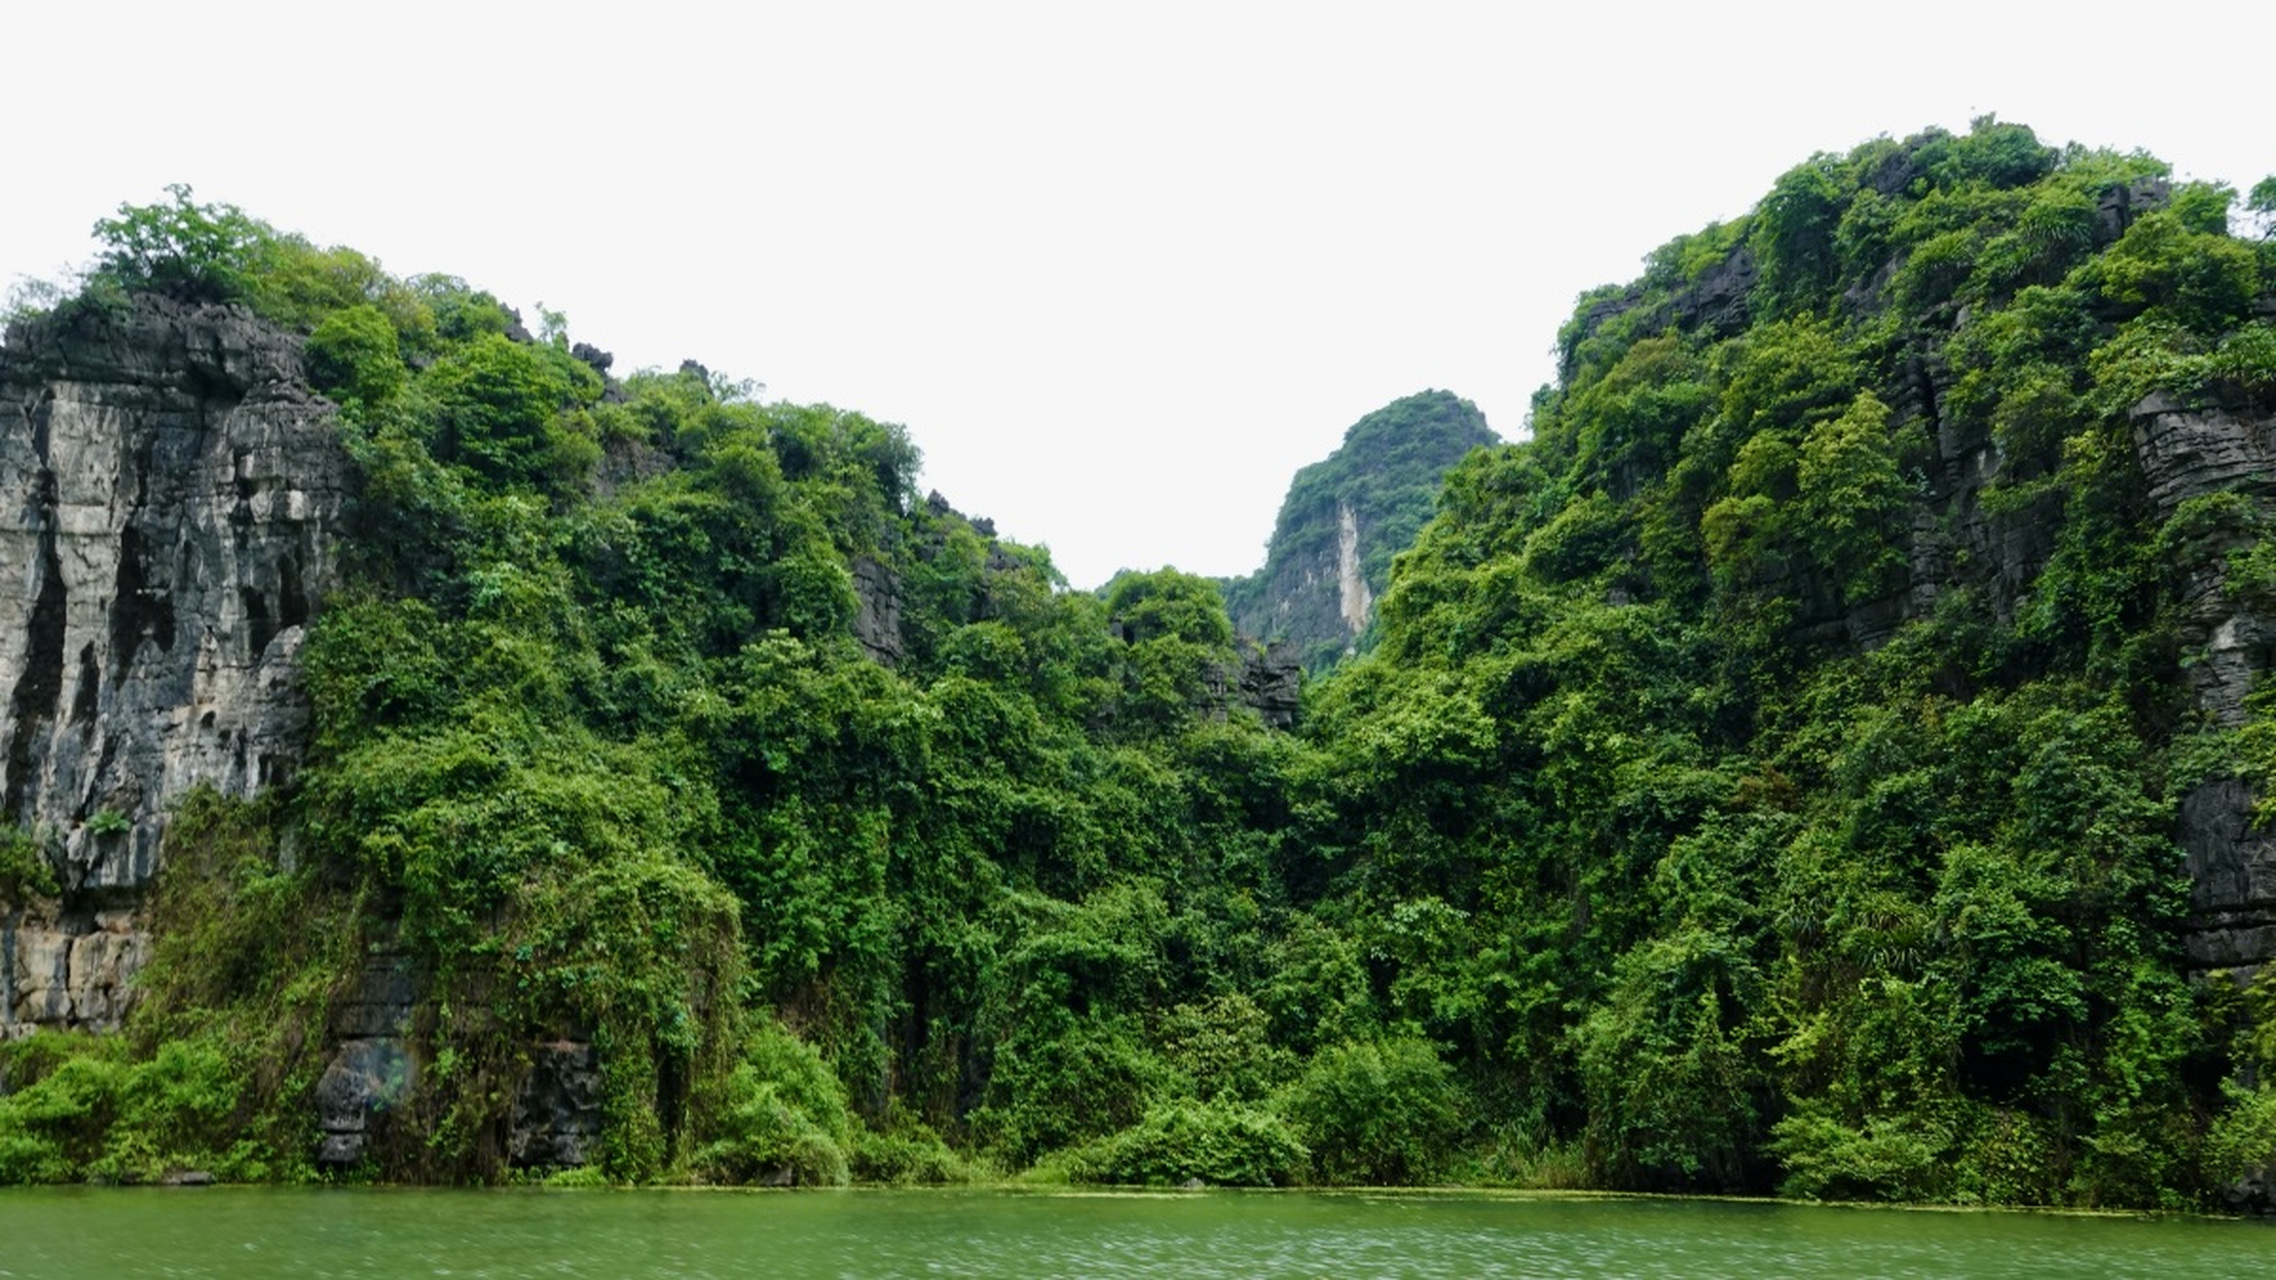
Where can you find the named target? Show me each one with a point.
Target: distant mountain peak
(1343, 520)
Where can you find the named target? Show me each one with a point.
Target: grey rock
(593, 357)
(557, 1113)
(68, 968)
(2253, 1194)
(171, 493)
(2121, 206)
(364, 1079)
(2188, 450)
(1898, 169)
(341, 1150)
(1720, 301)
(877, 613)
(2232, 878)
(1272, 683)
(381, 1002)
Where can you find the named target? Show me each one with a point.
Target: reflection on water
(275, 1232)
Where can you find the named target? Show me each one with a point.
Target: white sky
(1120, 269)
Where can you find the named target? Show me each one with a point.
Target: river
(253, 1232)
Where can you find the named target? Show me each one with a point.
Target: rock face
(1272, 683)
(2191, 451)
(372, 1069)
(557, 1112)
(2185, 452)
(1355, 604)
(171, 495)
(877, 615)
(1343, 520)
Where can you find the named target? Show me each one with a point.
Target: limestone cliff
(171, 497)
(1343, 520)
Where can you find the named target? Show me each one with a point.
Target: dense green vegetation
(1681, 833)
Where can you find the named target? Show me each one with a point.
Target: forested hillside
(1823, 760)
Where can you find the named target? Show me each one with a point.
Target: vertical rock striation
(171, 494)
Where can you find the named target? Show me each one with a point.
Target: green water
(262, 1232)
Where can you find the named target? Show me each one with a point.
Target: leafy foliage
(1764, 778)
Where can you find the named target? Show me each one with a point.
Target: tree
(2261, 203)
(499, 404)
(183, 249)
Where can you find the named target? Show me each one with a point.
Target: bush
(906, 1152)
(1066, 1083)
(62, 1092)
(1223, 1048)
(1900, 1157)
(781, 1117)
(24, 867)
(2242, 1143)
(76, 1109)
(1220, 1143)
(194, 252)
(1380, 1113)
(500, 407)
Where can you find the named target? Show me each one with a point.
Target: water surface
(253, 1232)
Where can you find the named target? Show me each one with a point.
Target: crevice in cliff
(259, 628)
(292, 596)
(8, 972)
(86, 696)
(32, 704)
(107, 762)
(137, 612)
(1924, 385)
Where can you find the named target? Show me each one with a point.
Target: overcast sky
(1120, 269)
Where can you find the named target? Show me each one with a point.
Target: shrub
(1379, 1113)
(1901, 1157)
(1221, 1143)
(781, 1117)
(194, 252)
(905, 1152)
(24, 866)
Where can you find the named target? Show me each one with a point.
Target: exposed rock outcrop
(372, 1069)
(1272, 683)
(557, 1112)
(171, 495)
(877, 612)
(2232, 879)
(2190, 451)
(2185, 451)
(1354, 602)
